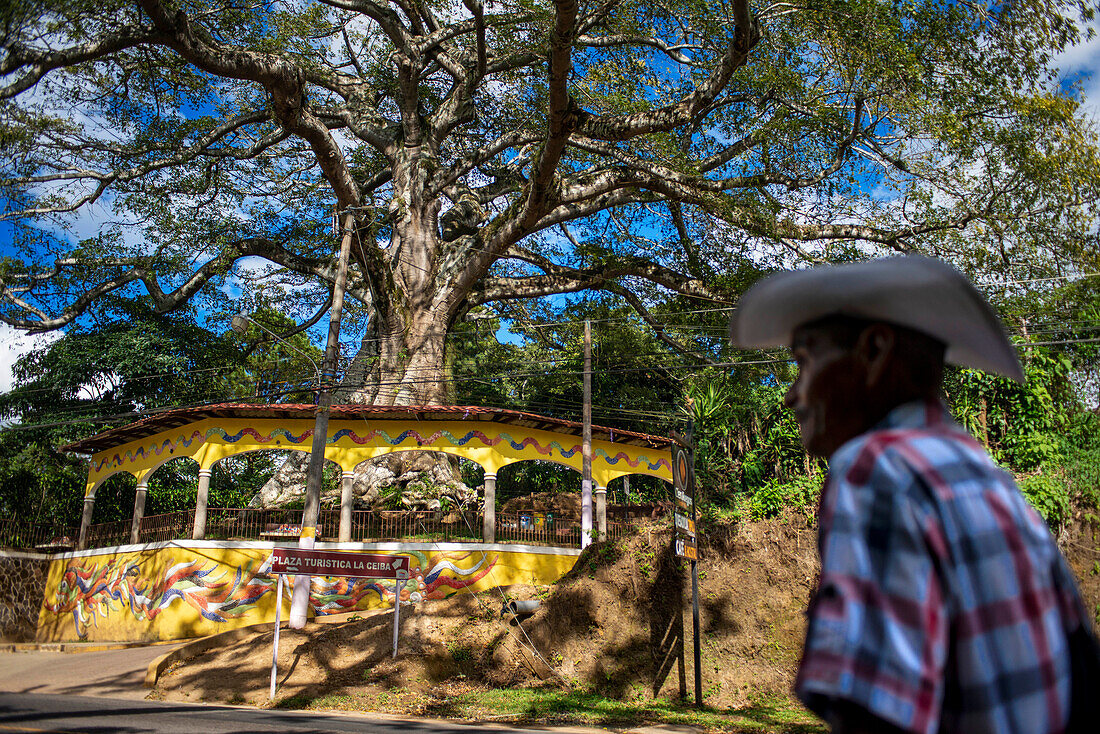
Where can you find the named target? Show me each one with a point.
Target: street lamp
(240, 324)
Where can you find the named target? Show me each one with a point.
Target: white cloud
(1084, 59)
(13, 345)
(1083, 56)
(1091, 88)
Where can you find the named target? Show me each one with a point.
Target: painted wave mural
(157, 449)
(94, 591)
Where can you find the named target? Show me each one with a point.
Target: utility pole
(299, 602)
(586, 441)
(695, 575)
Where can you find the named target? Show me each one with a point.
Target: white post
(139, 511)
(397, 584)
(85, 521)
(347, 485)
(203, 496)
(489, 518)
(601, 511)
(586, 441)
(275, 641)
(299, 600)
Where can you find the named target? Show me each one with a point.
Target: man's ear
(874, 349)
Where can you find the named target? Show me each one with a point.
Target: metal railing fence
(561, 530)
(170, 526)
(16, 534)
(369, 525)
(248, 523)
(105, 534)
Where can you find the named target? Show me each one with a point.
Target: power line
(304, 377)
(430, 375)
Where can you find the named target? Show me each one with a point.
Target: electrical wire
(434, 378)
(661, 361)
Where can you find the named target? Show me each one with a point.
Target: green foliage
(801, 494)
(282, 370)
(1081, 447)
(138, 360)
(1020, 424)
(114, 500)
(746, 438)
(38, 483)
(1039, 430)
(461, 652)
(1047, 494)
(97, 376)
(235, 480)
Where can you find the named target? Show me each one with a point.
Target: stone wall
(22, 587)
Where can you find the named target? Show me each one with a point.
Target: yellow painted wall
(193, 589)
(492, 445)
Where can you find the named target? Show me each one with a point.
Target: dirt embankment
(619, 623)
(1080, 543)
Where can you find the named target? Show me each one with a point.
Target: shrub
(801, 494)
(1049, 495)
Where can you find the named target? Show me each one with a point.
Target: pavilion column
(139, 511)
(85, 521)
(347, 500)
(601, 511)
(489, 519)
(586, 513)
(201, 501)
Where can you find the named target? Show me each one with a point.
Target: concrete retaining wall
(182, 589)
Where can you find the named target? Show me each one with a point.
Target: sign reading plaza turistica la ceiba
(301, 561)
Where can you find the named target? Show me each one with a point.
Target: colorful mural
(175, 592)
(431, 439)
(428, 579)
(91, 591)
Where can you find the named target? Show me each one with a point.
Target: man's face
(828, 396)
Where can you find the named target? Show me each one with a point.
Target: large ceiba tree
(491, 153)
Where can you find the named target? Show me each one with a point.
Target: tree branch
(475, 7)
(139, 270)
(561, 115)
(557, 279)
(623, 127)
(624, 39)
(658, 329)
(201, 148)
(39, 63)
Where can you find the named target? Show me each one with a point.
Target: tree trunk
(402, 359)
(404, 371)
(410, 368)
(401, 368)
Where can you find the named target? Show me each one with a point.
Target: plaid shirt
(944, 603)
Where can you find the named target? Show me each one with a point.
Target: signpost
(309, 562)
(683, 482)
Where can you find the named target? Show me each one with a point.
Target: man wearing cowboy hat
(943, 602)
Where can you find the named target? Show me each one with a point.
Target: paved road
(52, 713)
(102, 692)
(114, 673)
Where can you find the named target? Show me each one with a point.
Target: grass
(532, 706)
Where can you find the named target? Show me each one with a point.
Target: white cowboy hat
(921, 293)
